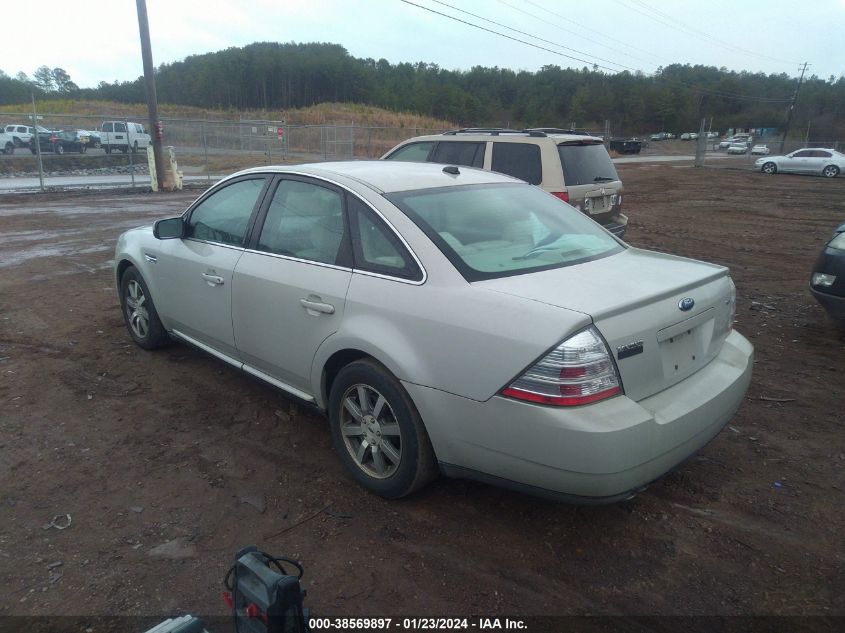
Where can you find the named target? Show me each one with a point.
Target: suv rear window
(459, 153)
(520, 160)
(586, 164)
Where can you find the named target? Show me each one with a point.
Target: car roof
(388, 176)
(515, 136)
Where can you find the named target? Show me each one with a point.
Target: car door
(289, 287)
(194, 274)
(798, 162)
(819, 160)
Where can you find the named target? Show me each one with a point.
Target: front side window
(414, 153)
(224, 215)
(459, 153)
(375, 247)
(496, 230)
(107, 127)
(520, 160)
(22, 130)
(304, 220)
(586, 164)
(803, 154)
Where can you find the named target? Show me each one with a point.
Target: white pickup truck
(7, 142)
(114, 136)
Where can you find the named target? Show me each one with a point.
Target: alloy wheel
(370, 431)
(136, 310)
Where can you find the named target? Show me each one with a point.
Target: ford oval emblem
(686, 303)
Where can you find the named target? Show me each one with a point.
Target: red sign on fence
(280, 132)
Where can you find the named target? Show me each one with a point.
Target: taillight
(563, 195)
(578, 371)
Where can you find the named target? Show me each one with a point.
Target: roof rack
(559, 130)
(493, 131)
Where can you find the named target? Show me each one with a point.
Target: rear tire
(59, 148)
(769, 168)
(124, 148)
(378, 433)
(135, 147)
(831, 171)
(107, 148)
(139, 312)
(83, 149)
(9, 149)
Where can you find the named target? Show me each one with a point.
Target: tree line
(276, 76)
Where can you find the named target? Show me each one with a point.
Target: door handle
(212, 280)
(316, 306)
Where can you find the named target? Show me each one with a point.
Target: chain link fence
(114, 148)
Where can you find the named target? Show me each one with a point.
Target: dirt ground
(168, 462)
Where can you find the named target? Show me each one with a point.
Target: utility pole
(792, 107)
(150, 82)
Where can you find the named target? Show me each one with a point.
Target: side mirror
(169, 229)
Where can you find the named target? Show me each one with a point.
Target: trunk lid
(634, 300)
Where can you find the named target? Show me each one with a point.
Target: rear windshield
(586, 164)
(498, 230)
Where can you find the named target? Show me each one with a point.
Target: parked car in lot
(737, 138)
(7, 143)
(60, 142)
(572, 165)
(827, 283)
(93, 137)
(659, 136)
(447, 319)
(625, 145)
(761, 150)
(123, 136)
(819, 161)
(738, 147)
(22, 134)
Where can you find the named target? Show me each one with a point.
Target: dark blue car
(828, 280)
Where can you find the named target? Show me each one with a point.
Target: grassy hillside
(330, 113)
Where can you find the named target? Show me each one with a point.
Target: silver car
(819, 161)
(448, 320)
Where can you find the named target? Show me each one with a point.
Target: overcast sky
(97, 40)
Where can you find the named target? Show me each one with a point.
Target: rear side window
(119, 127)
(224, 215)
(415, 152)
(107, 127)
(586, 164)
(459, 153)
(520, 160)
(305, 221)
(375, 247)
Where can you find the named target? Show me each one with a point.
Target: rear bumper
(592, 454)
(617, 225)
(834, 305)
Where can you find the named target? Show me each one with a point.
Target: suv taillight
(578, 371)
(563, 195)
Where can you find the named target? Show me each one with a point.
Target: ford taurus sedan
(447, 320)
(821, 162)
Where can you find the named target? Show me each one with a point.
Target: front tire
(769, 168)
(377, 431)
(107, 148)
(10, 149)
(59, 148)
(831, 171)
(139, 312)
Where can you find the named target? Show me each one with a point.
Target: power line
(591, 30)
(658, 16)
(595, 65)
(540, 39)
(515, 39)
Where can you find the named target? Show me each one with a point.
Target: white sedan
(738, 147)
(827, 162)
(762, 150)
(447, 319)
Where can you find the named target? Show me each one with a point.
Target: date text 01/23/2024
(417, 624)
